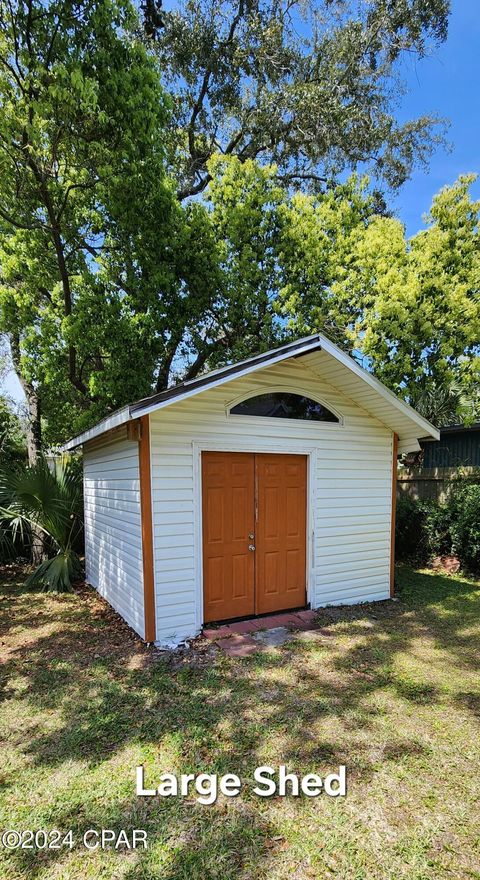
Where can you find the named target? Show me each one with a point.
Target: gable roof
(337, 367)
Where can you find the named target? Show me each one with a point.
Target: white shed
(263, 486)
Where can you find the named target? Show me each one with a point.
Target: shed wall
(350, 491)
(113, 534)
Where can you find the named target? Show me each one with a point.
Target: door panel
(238, 582)
(228, 504)
(281, 532)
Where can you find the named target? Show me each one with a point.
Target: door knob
(251, 547)
(251, 536)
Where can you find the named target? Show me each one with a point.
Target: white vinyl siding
(334, 372)
(113, 532)
(349, 491)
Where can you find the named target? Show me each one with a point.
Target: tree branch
(14, 222)
(48, 56)
(202, 358)
(164, 371)
(70, 187)
(197, 160)
(195, 189)
(289, 178)
(14, 74)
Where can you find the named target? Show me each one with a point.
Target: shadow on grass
(82, 668)
(181, 837)
(80, 661)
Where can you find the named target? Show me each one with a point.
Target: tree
(110, 287)
(39, 501)
(446, 404)
(12, 437)
(318, 236)
(273, 252)
(243, 201)
(293, 263)
(409, 307)
(90, 231)
(309, 86)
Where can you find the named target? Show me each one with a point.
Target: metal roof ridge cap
(281, 349)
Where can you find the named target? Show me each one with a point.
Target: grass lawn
(392, 691)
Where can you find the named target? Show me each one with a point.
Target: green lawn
(392, 692)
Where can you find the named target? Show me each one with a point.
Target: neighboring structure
(459, 446)
(258, 487)
(428, 474)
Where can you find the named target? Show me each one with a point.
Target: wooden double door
(254, 533)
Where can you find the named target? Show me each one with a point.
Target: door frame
(254, 446)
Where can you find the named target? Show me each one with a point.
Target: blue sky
(446, 83)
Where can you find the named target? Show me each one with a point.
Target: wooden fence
(432, 483)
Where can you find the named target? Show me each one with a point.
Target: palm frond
(51, 501)
(6, 542)
(441, 405)
(56, 575)
(35, 498)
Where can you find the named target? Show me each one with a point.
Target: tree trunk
(164, 370)
(34, 430)
(34, 437)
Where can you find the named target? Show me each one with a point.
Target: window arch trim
(287, 389)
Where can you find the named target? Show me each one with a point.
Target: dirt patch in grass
(392, 692)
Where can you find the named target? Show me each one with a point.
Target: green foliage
(56, 575)
(411, 308)
(274, 250)
(309, 86)
(12, 435)
(465, 527)
(32, 497)
(446, 404)
(97, 258)
(409, 529)
(15, 539)
(437, 528)
(425, 529)
(12, 452)
(293, 263)
(244, 203)
(317, 240)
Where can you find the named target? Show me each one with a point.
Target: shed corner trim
(147, 528)
(393, 514)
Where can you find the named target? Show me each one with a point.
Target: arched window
(284, 405)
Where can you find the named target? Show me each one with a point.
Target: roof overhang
(409, 422)
(456, 429)
(119, 417)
